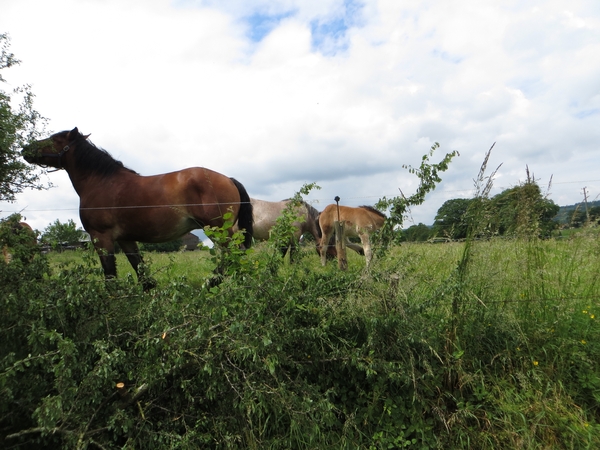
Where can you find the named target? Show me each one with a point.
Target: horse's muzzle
(30, 153)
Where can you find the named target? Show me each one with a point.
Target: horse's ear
(87, 136)
(73, 133)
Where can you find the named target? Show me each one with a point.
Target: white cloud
(165, 85)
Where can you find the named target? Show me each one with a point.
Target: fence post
(340, 245)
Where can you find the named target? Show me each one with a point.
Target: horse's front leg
(294, 242)
(106, 252)
(293, 250)
(135, 259)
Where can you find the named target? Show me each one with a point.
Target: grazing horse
(19, 235)
(360, 222)
(266, 214)
(119, 205)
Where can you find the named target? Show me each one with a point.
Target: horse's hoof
(148, 284)
(213, 281)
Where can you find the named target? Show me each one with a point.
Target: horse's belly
(157, 231)
(261, 232)
(263, 224)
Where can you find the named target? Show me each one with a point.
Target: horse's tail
(319, 232)
(245, 216)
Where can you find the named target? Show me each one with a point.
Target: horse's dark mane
(312, 211)
(313, 215)
(373, 210)
(97, 161)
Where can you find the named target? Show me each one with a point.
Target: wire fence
(432, 240)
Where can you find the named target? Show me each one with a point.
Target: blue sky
(260, 24)
(341, 93)
(328, 26)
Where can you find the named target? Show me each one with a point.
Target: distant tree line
(579, 215)
(516, 211)
(575, 215)
(59, 235)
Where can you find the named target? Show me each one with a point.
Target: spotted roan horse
(266, 214)
(120, 205)
(358, 222)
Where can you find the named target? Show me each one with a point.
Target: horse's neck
(376, 219)
(78, 181)
(311, 225)
(84, 182)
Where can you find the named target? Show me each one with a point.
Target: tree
(59, 233)
(595, 214)
(578, 218)
(523, 210)
(450, 219)
(17, 128)
(416, 233)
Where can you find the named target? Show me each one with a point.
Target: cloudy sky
(278, 93)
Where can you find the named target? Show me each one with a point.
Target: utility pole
(340, 245)
(587, 213)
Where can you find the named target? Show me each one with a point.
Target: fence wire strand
(314, 201)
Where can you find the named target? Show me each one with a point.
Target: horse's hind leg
(357, 248)
(135, 259)
(327, 233)
(366, 242)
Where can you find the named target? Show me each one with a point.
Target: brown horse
(358, 222)
(266, 214)
(119, 205)
(17, 234)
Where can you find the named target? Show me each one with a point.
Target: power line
(434, 194)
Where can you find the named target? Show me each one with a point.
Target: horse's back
(204, 181)
(265, 217)
(26, 228)
(359, 218)
(17, 234)
(266, 214)
(158, 208)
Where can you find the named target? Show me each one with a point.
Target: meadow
(480, 344)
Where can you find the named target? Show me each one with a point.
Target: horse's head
(50, 151)
(331, 252)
